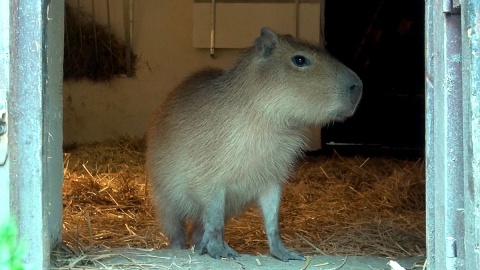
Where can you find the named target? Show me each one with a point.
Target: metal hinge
(452, 6)
(3, 127)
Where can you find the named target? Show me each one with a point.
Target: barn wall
(162, 40)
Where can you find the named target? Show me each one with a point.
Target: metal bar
(109, 26)
(67, 38)
(322, 42)
(212, 31)
(26, 136)
(444, 135)
(126, 25)
(452, 163)
(297, 18)
(80, 25)
(94, 24)
(4, 86)
(471, 129)
(131, 12)
(35, 127)
(430, 56)
(53, 118)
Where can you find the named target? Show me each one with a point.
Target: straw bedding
(331, 205)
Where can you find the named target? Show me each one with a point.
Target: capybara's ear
(266, 42)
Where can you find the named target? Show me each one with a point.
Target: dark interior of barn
(383, 42)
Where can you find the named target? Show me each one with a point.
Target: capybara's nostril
(355, 93)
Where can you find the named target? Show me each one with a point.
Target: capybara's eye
(300, 61)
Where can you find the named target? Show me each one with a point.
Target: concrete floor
(185, 259)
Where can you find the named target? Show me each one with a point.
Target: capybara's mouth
(347, 111)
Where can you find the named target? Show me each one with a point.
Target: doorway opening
(349, 201)
(383, 42)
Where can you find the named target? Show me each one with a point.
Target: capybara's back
(224, 139)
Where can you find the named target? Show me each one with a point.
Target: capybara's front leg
(214, 223)
(269, 202)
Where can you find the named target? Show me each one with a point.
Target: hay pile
(91, 50)
(332, 205)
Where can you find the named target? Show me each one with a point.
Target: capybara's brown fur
(227, 138)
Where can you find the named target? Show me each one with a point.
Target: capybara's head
(307, 84)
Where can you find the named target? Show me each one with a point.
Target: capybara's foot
(216, 249)
(177, 244)
(285, 255)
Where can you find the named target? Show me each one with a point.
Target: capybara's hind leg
(269, 202)
(174, 229)
(214, 225)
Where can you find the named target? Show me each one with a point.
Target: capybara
(224, 139)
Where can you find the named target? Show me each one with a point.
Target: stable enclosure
(106, 199)
(369, 196)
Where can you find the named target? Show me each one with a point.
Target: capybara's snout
(352, 93)
(355, 92)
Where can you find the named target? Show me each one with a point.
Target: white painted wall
(163, 41)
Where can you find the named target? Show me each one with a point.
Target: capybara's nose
(355, 92)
